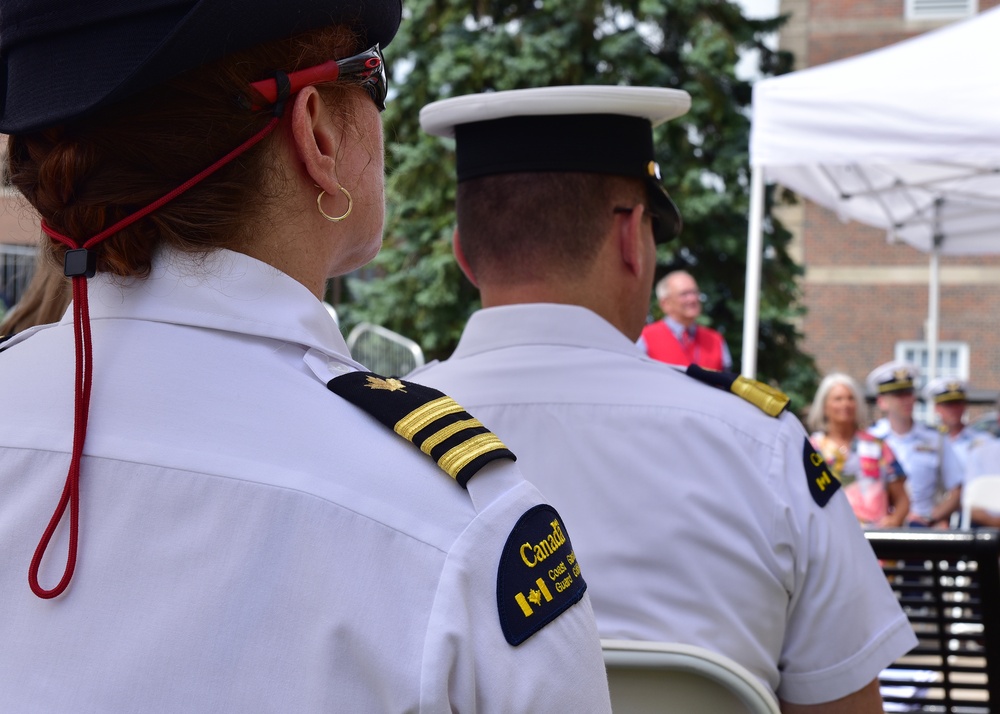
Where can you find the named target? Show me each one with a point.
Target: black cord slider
(80, 262)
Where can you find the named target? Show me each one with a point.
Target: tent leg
(751, 301)
(933, 314)
(934, 294)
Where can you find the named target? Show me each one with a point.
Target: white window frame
(940, 9)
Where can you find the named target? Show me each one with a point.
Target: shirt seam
(251, 482)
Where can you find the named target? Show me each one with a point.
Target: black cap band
(594, 143)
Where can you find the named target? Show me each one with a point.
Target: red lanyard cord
(80, 264)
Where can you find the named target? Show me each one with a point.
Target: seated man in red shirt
(678, 338)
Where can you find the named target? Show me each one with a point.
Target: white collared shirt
(689, 506)
(967, 441)
(984, 460)
(250, 542)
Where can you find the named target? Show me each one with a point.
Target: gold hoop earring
(327, 216)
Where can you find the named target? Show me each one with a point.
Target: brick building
(867, 300)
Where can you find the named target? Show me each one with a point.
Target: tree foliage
(452, 47)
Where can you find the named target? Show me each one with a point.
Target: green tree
(450, 47)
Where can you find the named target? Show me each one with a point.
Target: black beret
(63, 59)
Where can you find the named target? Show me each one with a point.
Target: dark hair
(526, 226)
(83, 176)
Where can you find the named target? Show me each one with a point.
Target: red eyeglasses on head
(367, 69)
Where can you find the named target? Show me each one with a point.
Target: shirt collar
(918, 432)
(677, 328)
(220, 290)
(541, 324)
(965, 435)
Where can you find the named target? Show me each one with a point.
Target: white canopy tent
(905, 138)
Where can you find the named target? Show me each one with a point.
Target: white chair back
(647, 677)
(383, 351)
(981, 492)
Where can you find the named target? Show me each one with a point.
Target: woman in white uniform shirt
(231, 535)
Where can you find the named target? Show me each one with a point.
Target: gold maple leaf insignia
(391, 384)
(535, 597)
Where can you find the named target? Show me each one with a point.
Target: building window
(953, 361)
(940, 9)
(17, 265)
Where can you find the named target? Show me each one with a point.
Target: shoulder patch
(539, 577)
(763, 396)
(823, 483)
(435, 423)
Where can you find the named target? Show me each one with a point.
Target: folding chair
(671, 677)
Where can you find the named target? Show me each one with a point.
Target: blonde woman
(873, 480)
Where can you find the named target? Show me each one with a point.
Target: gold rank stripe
(895, 386)
(949, 397)
(457, 458)
(449, 431)
(410, 425)
(764, 397)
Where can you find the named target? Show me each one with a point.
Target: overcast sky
(759, 8)
(755, 9)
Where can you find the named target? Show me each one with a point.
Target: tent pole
(755, 251)
(933, 298)
(933, 314)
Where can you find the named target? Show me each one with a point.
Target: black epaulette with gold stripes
(457, 441)
(766, 398)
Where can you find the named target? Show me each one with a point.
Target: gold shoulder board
(427, 418)
(765, 397)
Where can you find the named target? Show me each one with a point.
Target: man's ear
(628, 233)
(316, 139)
(456, 247)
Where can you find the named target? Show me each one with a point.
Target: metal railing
(383, 351)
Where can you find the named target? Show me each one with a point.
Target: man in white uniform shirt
(984, 461)
(702, 518)
(950, 399)
(934, 473)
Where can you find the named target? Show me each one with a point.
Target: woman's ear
(316, 138)
(456, 247)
